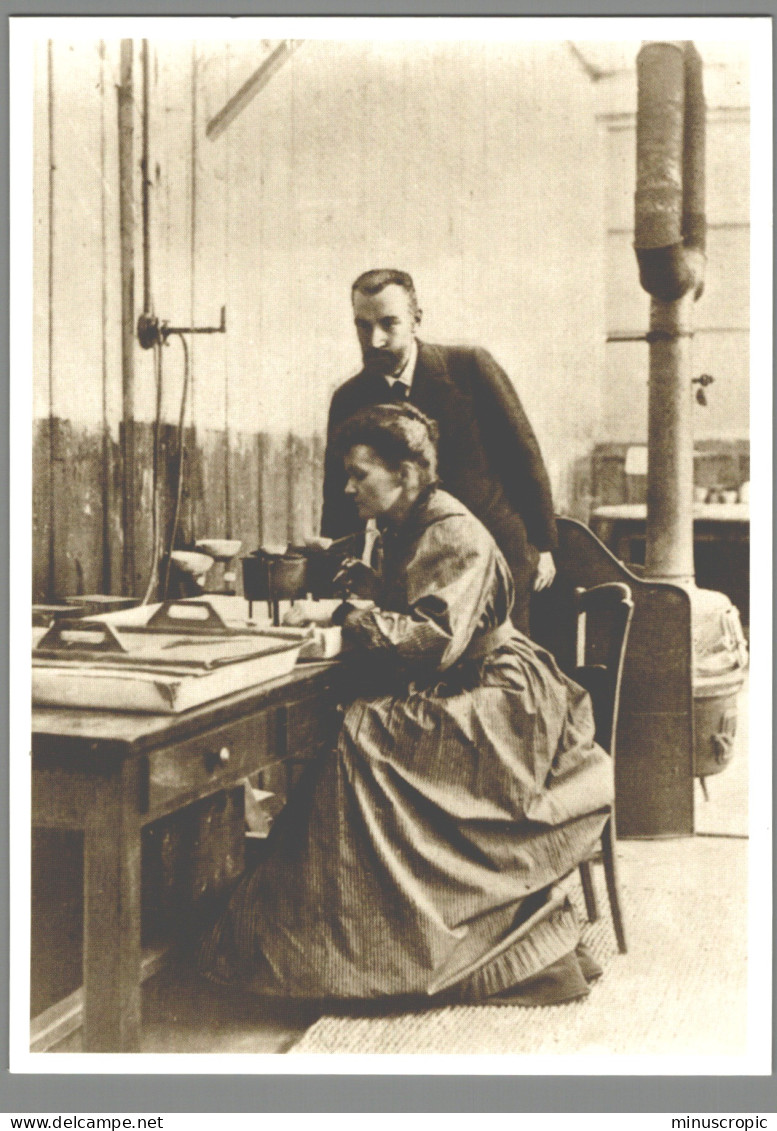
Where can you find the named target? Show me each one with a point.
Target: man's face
(386, 324)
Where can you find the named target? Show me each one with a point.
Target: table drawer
(211, 761)
(311, 725)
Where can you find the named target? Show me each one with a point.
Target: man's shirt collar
(405, 376)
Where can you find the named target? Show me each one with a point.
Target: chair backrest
(604, 615)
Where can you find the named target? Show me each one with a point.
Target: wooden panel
(274, 496)
(41, 512)
(318, 447)
(275, 489)
(212, 509)
(77, 485)
(64, 792)
(192, 488)
(144, 502)
(300, 506)
(244, 490)
(56, 913)
(113, 533)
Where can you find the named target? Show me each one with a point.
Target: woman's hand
(357, 579)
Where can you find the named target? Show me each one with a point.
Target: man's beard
(382, 362)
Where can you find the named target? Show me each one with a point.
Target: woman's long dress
(420, 856)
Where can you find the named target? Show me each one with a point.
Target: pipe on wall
(126, 111)
(146, 182)
(51, 581)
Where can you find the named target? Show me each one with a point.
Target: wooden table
(108, 775)
(721, 538)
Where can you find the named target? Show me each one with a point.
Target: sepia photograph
(388, 533)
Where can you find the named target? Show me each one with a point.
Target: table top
(710, 512)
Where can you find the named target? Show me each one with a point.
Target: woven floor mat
(685, 972)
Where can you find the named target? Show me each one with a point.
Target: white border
(439, 28)
(753, 30)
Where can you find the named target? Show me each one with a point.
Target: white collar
(405, 377)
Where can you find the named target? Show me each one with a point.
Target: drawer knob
(224, 755)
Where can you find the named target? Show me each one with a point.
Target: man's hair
(372, 282)
(396, 433)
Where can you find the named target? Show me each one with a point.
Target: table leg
(112, 919)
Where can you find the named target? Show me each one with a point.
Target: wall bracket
(152, 332)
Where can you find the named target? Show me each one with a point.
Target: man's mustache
(379, 357)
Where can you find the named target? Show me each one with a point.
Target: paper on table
(324, 644)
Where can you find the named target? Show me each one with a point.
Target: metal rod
(126, 109)
(193, 278)
(250, 88)
(166, 330)
(637, 336)
(144, 159)
(225, 353)
(51, 572)
(107, 478)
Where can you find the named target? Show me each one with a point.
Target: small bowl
(190, 562)
(222, 549)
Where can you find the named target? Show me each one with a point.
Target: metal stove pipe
(669, 241)
(670, 231)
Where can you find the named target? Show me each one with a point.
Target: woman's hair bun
(397, 433)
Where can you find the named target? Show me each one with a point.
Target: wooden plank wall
(271, 495)
(240, 480)
(272, 220)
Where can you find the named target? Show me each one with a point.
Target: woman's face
(375, 489)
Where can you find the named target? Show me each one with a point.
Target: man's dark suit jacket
(488, 454)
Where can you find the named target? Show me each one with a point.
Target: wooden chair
(604, 615)
(654, 776)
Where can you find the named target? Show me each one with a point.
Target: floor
(678, 991)
(181, 1014)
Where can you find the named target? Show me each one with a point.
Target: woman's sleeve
(450, 582)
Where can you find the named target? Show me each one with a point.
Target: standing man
(488, 453)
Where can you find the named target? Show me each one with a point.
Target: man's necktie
(399, 392)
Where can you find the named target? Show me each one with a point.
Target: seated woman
(420, 858)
